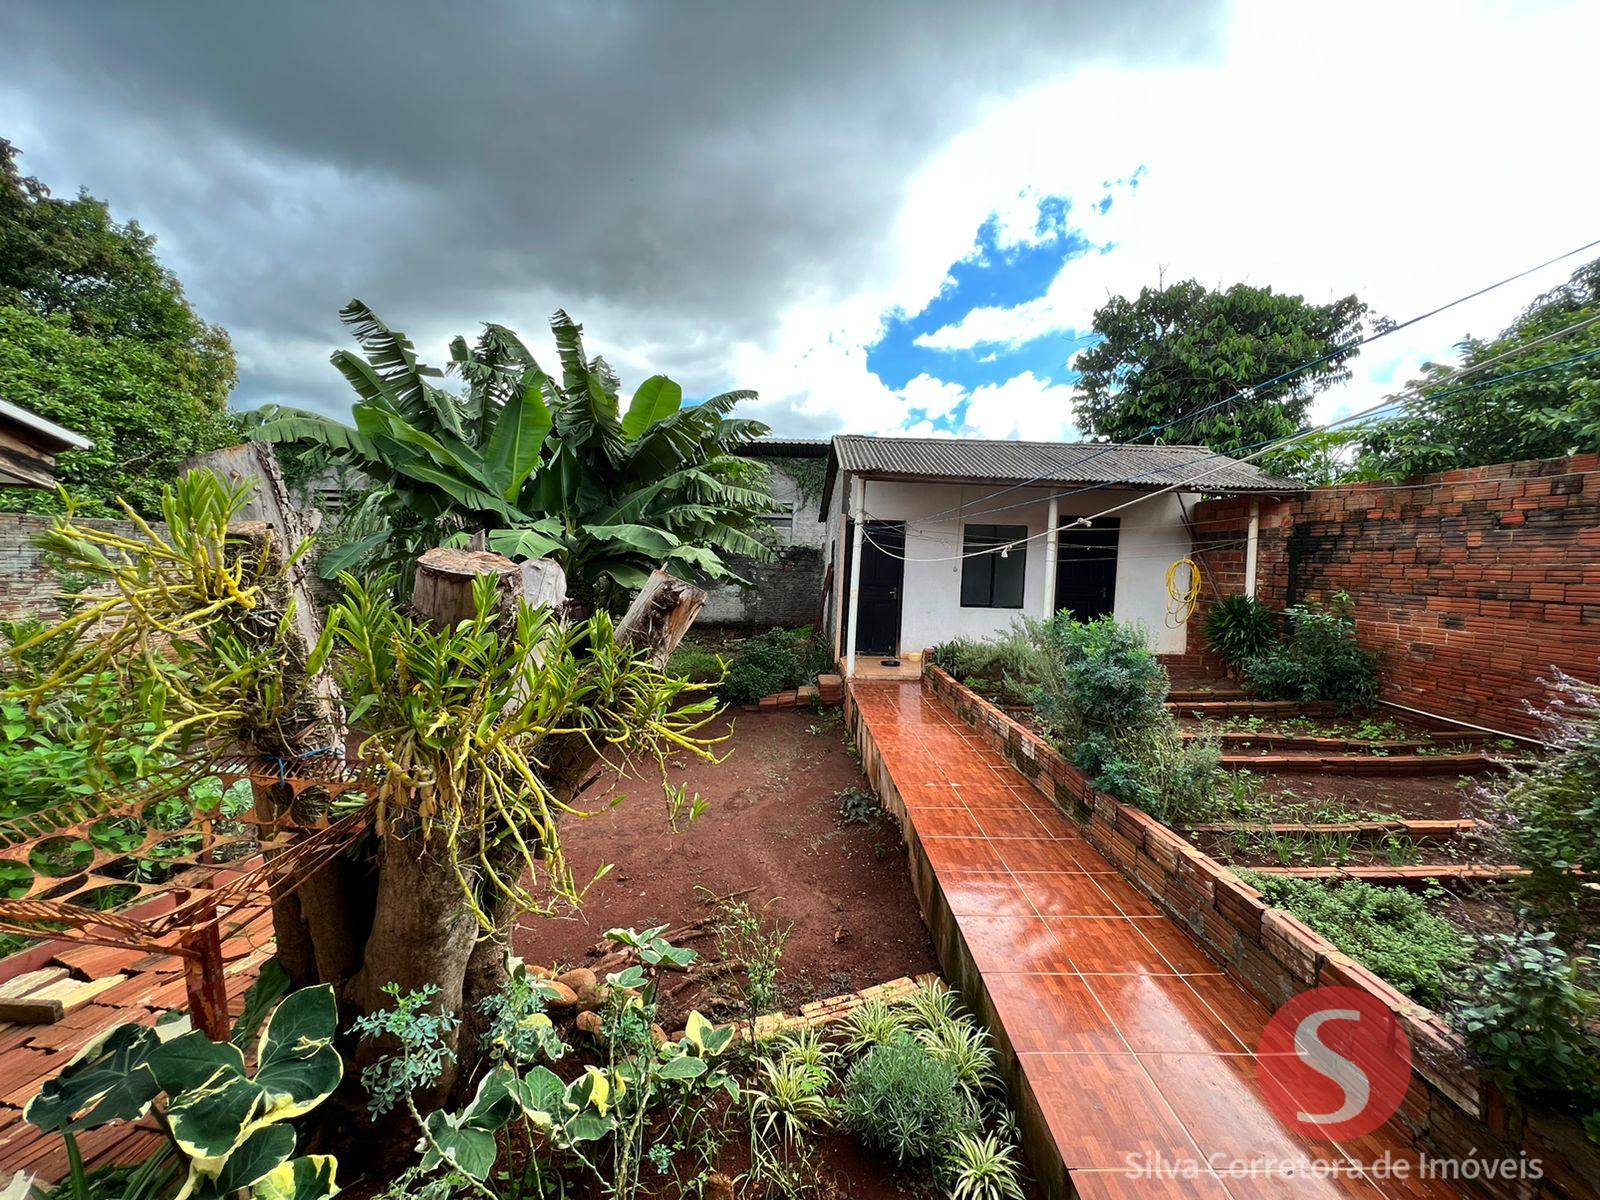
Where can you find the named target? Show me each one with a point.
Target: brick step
(1250, 708)
(1448, 874)
(1192, 695)
(1336, 745)
(1417, 830)
(1364, 764)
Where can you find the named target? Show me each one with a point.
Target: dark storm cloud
(676, 174)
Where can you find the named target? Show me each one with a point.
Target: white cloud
(1316, 154)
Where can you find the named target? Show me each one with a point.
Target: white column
(858, 503)
(1250, 543)
(1050, 553)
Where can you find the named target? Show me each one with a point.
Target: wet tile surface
(1135, 1045)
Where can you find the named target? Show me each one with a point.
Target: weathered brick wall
(1449, 1108)
(28, 586)
(786, 591)
(1473, 584)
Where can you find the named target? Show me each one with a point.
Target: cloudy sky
(884, 217)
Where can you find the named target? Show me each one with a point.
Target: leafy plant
(789, 1099)
(1547, 815)
(540, 467)
(983, 1168)
(1388, 930)
(228, 1129)
(774, 661)
(1531, 1012)
(858, 807)
(965, 1046)
(901, 1100)
(874, 1023)
(1319, 659)
(1239, 628)
(743, 938)
(421, 1034)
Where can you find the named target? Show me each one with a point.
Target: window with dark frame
(994, 565)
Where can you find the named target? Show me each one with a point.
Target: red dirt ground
(771, 825)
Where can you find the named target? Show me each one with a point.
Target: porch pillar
(858, 504)
(1051, 542)
(1251, 540)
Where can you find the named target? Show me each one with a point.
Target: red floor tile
(1026, 857)
(1009, 823)
(1179, 949)
(984, 894)
(1123, 1185)
(1109, 946)
(1054, 1014)
(945, 822)
(1067, 895)
(1129, 899)
(1102, 1109)
(1162, 1014)
(1013, 944)
(961, 853)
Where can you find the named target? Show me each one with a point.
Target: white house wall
(1153, 537)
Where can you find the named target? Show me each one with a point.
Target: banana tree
(538, 467)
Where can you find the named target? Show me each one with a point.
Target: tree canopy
(97, 335)
(534, 466)
(1536, 403)
(1175, 364)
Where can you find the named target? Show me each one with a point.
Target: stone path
(1133, 1045)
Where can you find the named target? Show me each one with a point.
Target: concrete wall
(28, 586)
(1153, 538)
(789, 590)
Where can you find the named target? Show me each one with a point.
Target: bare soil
(771, 835)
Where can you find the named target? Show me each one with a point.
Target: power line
(1337, 351)
(1364, 414)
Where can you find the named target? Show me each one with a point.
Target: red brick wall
(1473, 584)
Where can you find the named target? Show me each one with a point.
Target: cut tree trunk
(421, 932)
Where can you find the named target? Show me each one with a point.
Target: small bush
(774, 661)
(1239, 628)
(1319, 660)
(902, 1101)
(1387, 930)
(983, 1169)
(1100, 680)
(1530, 1011)
(1549, 814)
(695, 662)
(1013, 660)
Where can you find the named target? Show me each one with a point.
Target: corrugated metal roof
(1052, 462)
(778, 447)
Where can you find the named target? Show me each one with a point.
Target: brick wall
(1449, 1108)
(28, 587)
(1473, 584)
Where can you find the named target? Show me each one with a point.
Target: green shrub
(1550, 813)
(1319, 660)
(1239, 628)
(1530, 1011)
(983, 1169)
(1387, 930)
(902, 1101)
(1013, 660)
(774, 661)
(695, 662)
(1100, 680)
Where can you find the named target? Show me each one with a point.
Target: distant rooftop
(772, 447)
(974, 460)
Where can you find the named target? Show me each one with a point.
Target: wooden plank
(13, 989)
(46, 1005)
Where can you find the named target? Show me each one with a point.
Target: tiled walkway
(1131, 1040)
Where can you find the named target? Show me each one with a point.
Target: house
(29, 445)
(787, 590)
(958, 537)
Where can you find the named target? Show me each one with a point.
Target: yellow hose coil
(1181, 602)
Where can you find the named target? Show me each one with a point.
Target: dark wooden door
(883, 575)
(1086, 569)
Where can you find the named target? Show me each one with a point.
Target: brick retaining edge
(1450, 1109)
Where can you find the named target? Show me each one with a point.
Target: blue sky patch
(991, 276)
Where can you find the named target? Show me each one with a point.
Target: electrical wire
(1187, 484)
(1156, 430)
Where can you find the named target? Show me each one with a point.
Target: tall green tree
(535, 466)
(1172, 363)
(1536, 403)
(97, 335)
